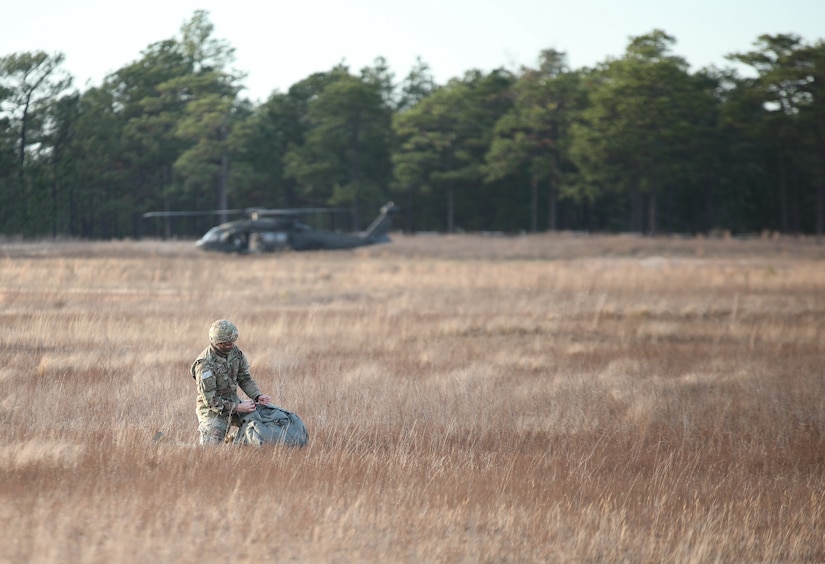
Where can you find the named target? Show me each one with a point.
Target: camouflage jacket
(218, 379)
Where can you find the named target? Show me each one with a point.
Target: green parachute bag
(269, 424)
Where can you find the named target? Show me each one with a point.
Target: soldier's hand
(247, 406)
(264, 400)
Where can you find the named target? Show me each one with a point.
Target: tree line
(636, 143)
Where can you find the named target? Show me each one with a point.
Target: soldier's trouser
(213, 427)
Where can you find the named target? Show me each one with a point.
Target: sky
(278, 43)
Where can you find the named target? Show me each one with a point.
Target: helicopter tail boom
(377, 232)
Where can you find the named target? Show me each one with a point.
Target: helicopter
(270, 230)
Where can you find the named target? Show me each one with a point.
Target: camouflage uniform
(218, 376)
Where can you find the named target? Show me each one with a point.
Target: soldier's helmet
(223, 331)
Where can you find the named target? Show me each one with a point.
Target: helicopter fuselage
(271, 235)
(249, 235)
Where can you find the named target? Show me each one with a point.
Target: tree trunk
(54, 205)
(636, 210)
(552, 193)
(450, 210)
(710, 212)
(408, 213)
(783, 196)
(793, 200)
(355, 169)
(223, 181)
(72, 211)
(534, 203)
(819, 180)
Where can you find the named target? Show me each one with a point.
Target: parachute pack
(271, 424)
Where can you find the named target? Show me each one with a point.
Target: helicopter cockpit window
(212, 236)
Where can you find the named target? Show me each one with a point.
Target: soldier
(218, 371)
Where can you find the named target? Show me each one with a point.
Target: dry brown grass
(578, 399)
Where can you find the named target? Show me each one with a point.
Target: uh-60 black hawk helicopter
(269, 230)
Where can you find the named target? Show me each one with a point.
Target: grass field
(532, 399)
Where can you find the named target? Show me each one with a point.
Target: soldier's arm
(245, 380)
(207, 388)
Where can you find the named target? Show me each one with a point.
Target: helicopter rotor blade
(249, 212)
(290, 211)
(191, 213)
